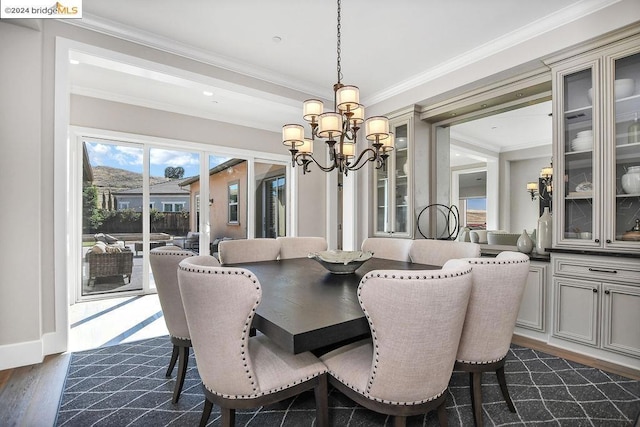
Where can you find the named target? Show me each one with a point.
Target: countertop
(493, 250)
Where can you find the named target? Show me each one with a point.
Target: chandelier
(339, 129)
(544, 188)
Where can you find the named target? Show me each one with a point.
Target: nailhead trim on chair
(176, 252)
(484, 362)
(375, 338)
(246, 329)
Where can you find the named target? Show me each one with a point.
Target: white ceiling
(387, 47)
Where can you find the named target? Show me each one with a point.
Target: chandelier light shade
(339, 128)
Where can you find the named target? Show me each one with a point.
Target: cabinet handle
(595, 291)
(607, 292)
(597, 240)
(598, 270)
(608, 240)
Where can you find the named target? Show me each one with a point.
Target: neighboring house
(167, 196)
(228, 200)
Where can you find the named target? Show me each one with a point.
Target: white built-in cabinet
(393, 189)
(597, 302)
(596, 111)
(533, 306)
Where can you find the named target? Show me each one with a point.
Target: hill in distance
(111, 179)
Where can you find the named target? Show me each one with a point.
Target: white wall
(524, 212)
(20, 172)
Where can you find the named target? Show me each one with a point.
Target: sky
(477, 204)
(129, 157)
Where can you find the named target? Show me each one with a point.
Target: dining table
(304, 307)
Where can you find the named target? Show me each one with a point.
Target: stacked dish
(622, 88)
(582, 141)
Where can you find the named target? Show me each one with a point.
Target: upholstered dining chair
(239, 371)
(164, 262)
(438, 252)
(300, 247)
(248, 250)
(498, 286)
(405, 368)
(388, 247)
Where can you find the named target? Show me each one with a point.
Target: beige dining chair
(164, 262)
(248, 250)
(300, 247)
(498, 286)
(239, 371)
(405, 368)
(388, 247)
(438, 252)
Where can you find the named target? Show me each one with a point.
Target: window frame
(230, 221)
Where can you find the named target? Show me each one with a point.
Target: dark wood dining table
(306, 308)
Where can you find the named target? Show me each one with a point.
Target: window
(475, 212)
(123, 205)
(233, 190)
(173, 207)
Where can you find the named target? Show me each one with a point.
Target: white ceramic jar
(631, 180)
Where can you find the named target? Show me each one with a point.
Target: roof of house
(222, 166)
(170, 187)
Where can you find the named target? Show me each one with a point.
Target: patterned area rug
(124, 385)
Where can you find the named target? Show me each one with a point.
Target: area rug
(124, 385)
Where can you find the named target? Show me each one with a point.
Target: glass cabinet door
(401, 169)
(579, 171)
(624, 163)
(392, 201)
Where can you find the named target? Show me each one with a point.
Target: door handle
(599, 270)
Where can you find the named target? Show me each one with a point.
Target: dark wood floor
(30, 395)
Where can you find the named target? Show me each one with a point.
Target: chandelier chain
(338, 46)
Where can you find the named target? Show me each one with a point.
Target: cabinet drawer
(598, 268)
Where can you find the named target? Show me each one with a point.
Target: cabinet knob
(595, 291)
(608, 240)
(607, 292)
(597, 240)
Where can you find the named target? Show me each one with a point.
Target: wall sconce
(542, 189)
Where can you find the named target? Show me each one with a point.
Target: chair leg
(442, 414)
(399, 421)
(208, 406)
(321, 392)
(183, 357)
(476, 396)
(228, 417)
(172, 362)
(503, 386)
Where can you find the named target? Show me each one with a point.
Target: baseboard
(593, 362)
(21, 354)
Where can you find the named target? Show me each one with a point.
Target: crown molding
(493, 47)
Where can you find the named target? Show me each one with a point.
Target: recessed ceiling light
(276, 39)
(484, 106)
(74, 61)
(207, 93)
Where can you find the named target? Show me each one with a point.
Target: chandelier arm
(306, 159)
(373, 157)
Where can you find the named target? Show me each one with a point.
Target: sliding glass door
(139, 196)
